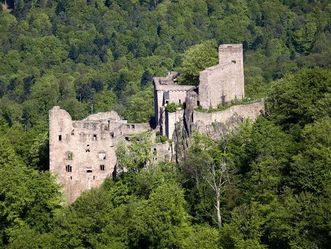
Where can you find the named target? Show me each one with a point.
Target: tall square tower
(224, 82)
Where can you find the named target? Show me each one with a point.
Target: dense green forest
(267, 185)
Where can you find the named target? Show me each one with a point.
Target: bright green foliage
(271, 150)
(135, 155)
(201, 236)
(310, 170)
(196, 59)
(30, 199)
(245, 228)
(300, 98)
(160, 221)
(90, 56)
(299, 221)
(139, 107)
(104, 101)
(171, 107)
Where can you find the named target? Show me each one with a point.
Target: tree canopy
(265, 185)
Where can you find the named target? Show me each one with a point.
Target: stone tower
(224, 82)
(81, 152)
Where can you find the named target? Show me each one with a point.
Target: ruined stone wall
(171, 119)
(133, 128)
(251, 111)
(158, 103)
(177, 97)
(164, 94)
(224, 82)
(82, 153)
(162, 152)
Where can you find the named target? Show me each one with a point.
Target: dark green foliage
(91, 56)
(171, 107)
(196, 59)
(73, 53)
(29, 199)
(300, 99)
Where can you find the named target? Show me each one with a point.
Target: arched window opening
(69, 155)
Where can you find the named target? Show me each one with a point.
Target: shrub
(171, 107)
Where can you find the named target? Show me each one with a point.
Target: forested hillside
(267, 185)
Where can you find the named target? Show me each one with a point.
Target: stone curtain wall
(250, 111)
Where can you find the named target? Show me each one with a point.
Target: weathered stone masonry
(82, 153)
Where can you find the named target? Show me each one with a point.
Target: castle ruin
(82, 153)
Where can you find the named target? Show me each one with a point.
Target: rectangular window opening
(102, 167)
(69, 156)
(68, 168)
(60, 137)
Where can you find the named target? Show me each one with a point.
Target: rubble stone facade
(82, 153)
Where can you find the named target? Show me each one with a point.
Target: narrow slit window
(69, 168)
(95, 137)
(60, 137)
(89, 171)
